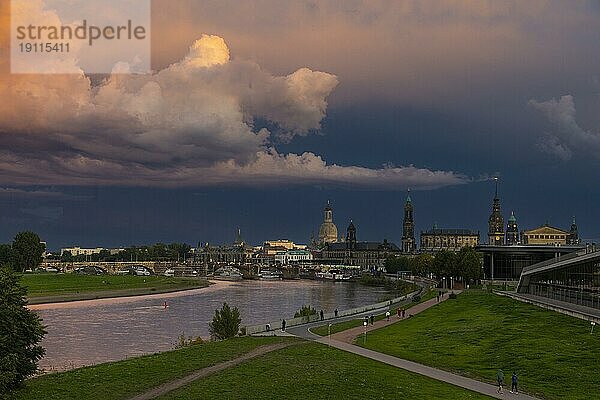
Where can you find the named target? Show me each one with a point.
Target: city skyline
(354, 102)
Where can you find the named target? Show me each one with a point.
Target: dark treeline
(156, 252)
(26, 252)
(465, 265)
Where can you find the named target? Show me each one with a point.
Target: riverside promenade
(343, 341)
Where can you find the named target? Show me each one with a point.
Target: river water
(96, 331)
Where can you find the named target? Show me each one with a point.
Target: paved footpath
(186, 380)
(349, 335)
(343, 341)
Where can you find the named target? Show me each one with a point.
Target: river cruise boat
(267, 275)
(332, 275)
(228, 274)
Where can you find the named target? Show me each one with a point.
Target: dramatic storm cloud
(566, 136)
(189, 124)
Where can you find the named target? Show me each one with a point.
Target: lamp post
(593, 325)
(329, 334)
(365, 325)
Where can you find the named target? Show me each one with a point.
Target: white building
(292, 256)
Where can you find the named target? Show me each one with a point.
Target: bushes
(305, 311)
(225, 323)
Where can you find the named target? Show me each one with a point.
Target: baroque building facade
(367, 255)
(448, 239)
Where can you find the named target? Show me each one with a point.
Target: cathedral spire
(408, 227)
(496, 221)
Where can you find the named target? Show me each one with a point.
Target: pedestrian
(399, 313)
(387, 315)
(403, 313)
(371, 318)
(283, 325)
(515, 381)
(500, 380)
(335, 312)
(322, 315)
(438, 298)
(366, 321)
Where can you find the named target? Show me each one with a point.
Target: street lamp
(365, 325)
(329, 334)
(593, 325)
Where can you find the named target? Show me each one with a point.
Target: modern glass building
(574, 278)
(507, 262)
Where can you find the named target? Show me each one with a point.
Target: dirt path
(349, 335)
(186, 380)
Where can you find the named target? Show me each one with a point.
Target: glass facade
(507, 262)
(578, 283)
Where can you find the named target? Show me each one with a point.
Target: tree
(6, 255)
(27, 251)
(422, 265)
(21, 331)
(469, 264)
(225, 323)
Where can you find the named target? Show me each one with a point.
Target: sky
(258, 113)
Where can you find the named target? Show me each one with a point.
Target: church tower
(496, 222)
(328, 232)
(573, 236)
(408, 227)
(351, 236)
(512, 230)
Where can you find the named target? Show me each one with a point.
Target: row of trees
(156, 252)
(466, 264)
(25, 252)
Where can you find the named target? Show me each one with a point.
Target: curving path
(186, 380)
(343, 341)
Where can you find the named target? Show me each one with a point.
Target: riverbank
(57, 288)
(129, 298)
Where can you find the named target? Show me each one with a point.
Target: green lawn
(314, 371)
(46, 284)
(123, 379)
(342, 326)
(554, 355)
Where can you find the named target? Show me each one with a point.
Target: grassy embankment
(65, 287)
(124, 379)
(314, 371)
(342, 326)
(554, 355)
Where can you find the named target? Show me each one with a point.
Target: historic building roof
(328, 232)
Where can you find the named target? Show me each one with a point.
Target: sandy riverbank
(118, 297)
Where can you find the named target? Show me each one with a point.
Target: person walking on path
(283, 325)
(403, 313)
(335, 312)
(371, 318)
(500, 380)
(399, 313)
(387, 315)
(322, 315)
(515, 381)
